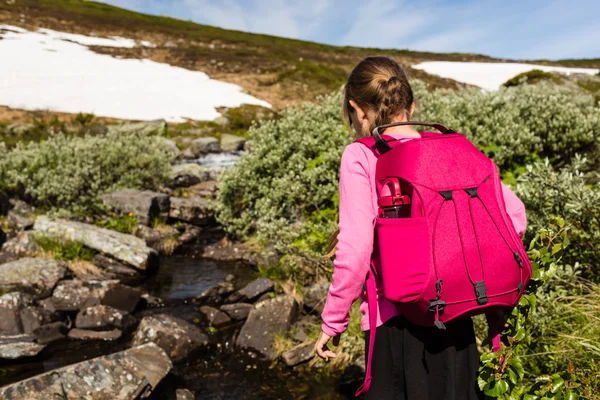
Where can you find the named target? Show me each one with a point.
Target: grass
(119, 223)
(63, 250)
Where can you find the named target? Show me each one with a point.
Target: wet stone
(256, 288)
(237, 311)
(184, 394)
(177, 337)
(50, 332)
(34, 317)
(86, 334)
(103, 317)
(122, 297)
(215, 317)
(18, 346)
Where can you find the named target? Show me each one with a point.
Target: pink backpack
(458, 254)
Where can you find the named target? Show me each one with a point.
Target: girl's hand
(321, 346)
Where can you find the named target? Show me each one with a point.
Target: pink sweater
(358, 208)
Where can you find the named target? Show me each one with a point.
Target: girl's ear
(360, 113)
(411, 111)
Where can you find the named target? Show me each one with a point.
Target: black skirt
(412, 362)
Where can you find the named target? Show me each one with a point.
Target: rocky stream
(172, 313)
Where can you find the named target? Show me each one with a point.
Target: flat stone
(194, 210)
(35, 276)
(18, 346)
(231, 142)
(217, 293)
(126, 375)
(299, 354)
(34, 317)
(264, 321)
(125, 248)
(187, 174)
(102, 317)
(73, 295)
(178, 338)
(237, 311)
(215, 317)
(115, 268)
(145, 205)
(45, 334)
(121, 297)
(256, 288)
(86, 334)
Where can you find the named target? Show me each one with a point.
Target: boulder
(87, 334)
(146, 128)
(115, 268)
(232, 142)
(255, 288)
(103, 317)
(22, 245)
(188, 154)
(264, 321)
(315, 296)
(18, 346)
(21, 215)
(187, 174)
(35, 276)
(194, 210)
(121, 297)
(126, 375)
(248, 145)
(190, 233)
(11, 305)
(205, 145)
(72, 295)
(184, 394)
(163, 240)
(216, 294)
(47, 333)
(171, 147)
(221, 120)
(237, 311)
(145, 205)
(178, 338)
(205, 189)
(215, 317)
(299, 354)
(126, 248)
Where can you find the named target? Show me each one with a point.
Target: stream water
(220, 371)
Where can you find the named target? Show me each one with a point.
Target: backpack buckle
(481, 293)
(437, 304)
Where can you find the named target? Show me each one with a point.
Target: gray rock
(21, 215)
(86, 334)
(171, 147)
(18, 346)
(205, 189)
(45, 334)
(73, 295)
(194, 210)
(299, 354)
(145, 205)
(127, 375)
(237, 311)
(221, 120)
(121, 297)
(184, 394)
(265, 320)
(301, 327)
(178, 338)
(35, 276)
(188, 154)
(126, 248)
(256, 288)
(11, 305)
(187, 174)
(215, 317)
(232, 142)
(34, 317)
(315, 296)
(164, 241)
(102, 317)
(216, 293)
(146, 128)
(115, 268)
(190, 234)
(205, 145)
(22, 245)
(248, 145)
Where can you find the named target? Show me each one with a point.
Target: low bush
(70, 174)
(533, 76)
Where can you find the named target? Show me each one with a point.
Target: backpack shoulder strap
(371, 143)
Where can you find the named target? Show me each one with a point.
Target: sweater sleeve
(355, 239)
(515, 209)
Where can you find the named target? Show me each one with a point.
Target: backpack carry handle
(383, 146)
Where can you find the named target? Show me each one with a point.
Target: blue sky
(525, 29)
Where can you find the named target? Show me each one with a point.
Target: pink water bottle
(396, 204)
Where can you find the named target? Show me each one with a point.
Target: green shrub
(533, 76)
(120, 223)
(70, 174)
(548, 193)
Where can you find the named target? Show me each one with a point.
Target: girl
(409, 361)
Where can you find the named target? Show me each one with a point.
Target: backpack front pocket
(404, 252)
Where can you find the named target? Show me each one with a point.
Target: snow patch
(55, 71)
(489, 76)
